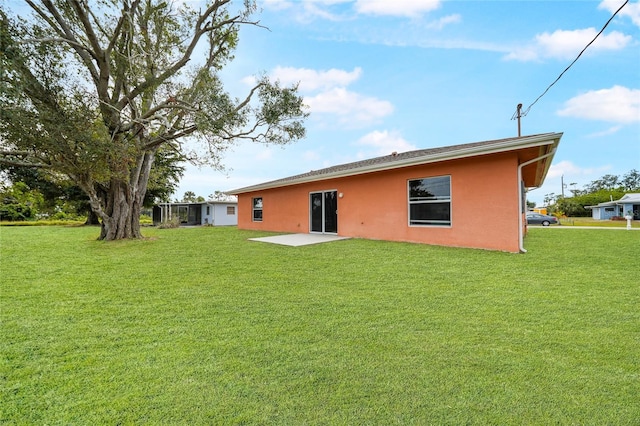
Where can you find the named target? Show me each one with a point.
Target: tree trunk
(119, 222)
(123, 205)
(92, 218)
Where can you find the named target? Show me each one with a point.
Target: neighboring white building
(628, 203)
(215, 213)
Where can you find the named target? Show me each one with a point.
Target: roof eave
(546, 164)
(171, 203)
(498, 147)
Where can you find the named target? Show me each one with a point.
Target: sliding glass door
(324, 212)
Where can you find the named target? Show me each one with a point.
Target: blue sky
(382, 76)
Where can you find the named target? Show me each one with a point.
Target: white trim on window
(256, 209)
(432, 207)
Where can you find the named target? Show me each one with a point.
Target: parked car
(541, 219)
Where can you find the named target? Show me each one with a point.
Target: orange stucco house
(469, 195)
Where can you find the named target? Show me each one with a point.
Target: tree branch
(61, 27)
(119, 79)
(100, 56)
(248, 98)
(168, 137)
(201, 28)
(88, 29)
(72, 43)
(20, 162)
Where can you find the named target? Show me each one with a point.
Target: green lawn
(201, 326)
(587, 221)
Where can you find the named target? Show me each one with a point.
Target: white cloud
(249, 80)
(311, 156)
(327, 94)
(354, 109)
(444, 21)
(276, 4)
(524, 54)
(567, 168)
(618, 105)
(408, 8)
(264, 154)
(631, 10)
(311, 10)
(383, 143)
(313, 80)
(284, 4)
(565, 44)
(562, 44)
(306, 10)
(569, 173)
(610, 131)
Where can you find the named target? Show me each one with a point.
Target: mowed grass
(202, 326)
(587, 221)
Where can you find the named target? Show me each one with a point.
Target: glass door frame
(331, 220)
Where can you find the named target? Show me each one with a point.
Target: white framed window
(231, 210)
(257, 209)
(430, 201)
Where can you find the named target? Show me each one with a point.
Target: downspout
(521, 197)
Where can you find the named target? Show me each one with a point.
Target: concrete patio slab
(296, 240)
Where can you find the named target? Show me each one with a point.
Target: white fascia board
(498, 147)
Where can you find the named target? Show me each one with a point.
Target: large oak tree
(93, 90)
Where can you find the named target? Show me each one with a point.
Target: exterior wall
(609, 211)
(375, 205)
(620, 208)
(606, 212)
(196, 213)
(221, 217)
(218, 214)
(207, 219)
(633, 208)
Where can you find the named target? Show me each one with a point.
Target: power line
(518, 112)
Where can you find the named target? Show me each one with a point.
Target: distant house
(434, 196)
(607, 210)
(216, 213)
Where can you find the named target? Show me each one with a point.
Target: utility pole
(517, 116)
(562, 183)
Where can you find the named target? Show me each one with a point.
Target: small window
(231, 210)
(430, 201)
(257, 209)
(609, 209)
(208, 210)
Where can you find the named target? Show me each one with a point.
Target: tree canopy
(63, 199)
(597, 191)
(93, 91)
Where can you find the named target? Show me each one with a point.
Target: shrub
(171, 223)
(146, 220)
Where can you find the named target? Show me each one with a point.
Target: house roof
(196, 203)
(633, 197)
(630, 198)
(528, 148)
